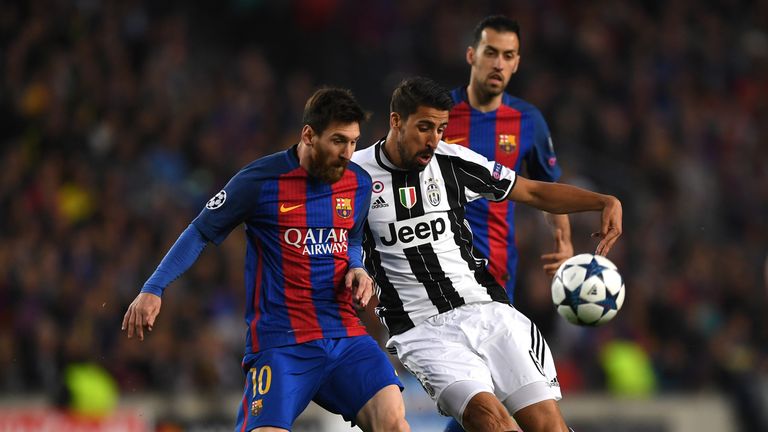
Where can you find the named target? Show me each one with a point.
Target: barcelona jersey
(510, 135)
(302, 235)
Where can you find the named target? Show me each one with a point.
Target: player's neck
(481, 101)
(305, 158)
(390, 151)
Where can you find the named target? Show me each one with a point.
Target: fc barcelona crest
(507, 143)
(408, 196)
(257, 406)
(344, 207)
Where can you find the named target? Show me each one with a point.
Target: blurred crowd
(119, 119)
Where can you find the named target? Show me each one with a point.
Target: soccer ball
(588, 290)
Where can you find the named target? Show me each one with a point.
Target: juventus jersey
(417, 244)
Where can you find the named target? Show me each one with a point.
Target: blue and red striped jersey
(512, 134)
(302, 236)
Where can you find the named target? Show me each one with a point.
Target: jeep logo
(407, 233)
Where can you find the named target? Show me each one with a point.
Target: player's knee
(483, 419)
(479, 415)
(384, 413)
(395, 423)
(541, 416)
(393, 420)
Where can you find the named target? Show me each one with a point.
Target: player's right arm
(141, 313)
(146, 306)
(227, 209)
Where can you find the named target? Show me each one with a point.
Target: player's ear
(306, 135)
(471, 55)
(394, 120)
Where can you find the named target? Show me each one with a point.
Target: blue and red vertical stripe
(299, 297)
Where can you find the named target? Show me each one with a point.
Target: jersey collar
(382, 159)
(293, 155)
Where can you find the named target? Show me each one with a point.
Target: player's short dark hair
(330, 104)
(500, 23)
(412, 93)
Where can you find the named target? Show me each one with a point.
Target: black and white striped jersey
(418, 247)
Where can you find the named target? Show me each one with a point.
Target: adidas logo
(379, 203)
(555, 383)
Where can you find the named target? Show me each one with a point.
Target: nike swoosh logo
(455, 140)
(284, 209)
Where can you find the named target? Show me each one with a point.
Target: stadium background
(119, 119)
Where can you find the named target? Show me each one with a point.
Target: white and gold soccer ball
(588, 290)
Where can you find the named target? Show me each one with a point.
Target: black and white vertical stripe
(422, 257)
(538, 345)
(392, 315)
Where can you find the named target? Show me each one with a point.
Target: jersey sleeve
(541, 161)
(228, 208)
(482, 178)
(178, 260)
(362, 203)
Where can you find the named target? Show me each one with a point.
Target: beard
(492, 90)
(332, 174)
(495, 89)
(325, 170)
(411, 163)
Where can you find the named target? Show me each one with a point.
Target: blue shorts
(339, 374)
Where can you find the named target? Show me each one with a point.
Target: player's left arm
(357, 279)
(493, 181)
(541, 164)
(360, 283)
(560, 226)
(562, 198)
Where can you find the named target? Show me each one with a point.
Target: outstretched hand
(361, 285)
(610, 226)
(141, 313)
(563, 251)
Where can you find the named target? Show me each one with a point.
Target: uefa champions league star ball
(588, 290)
